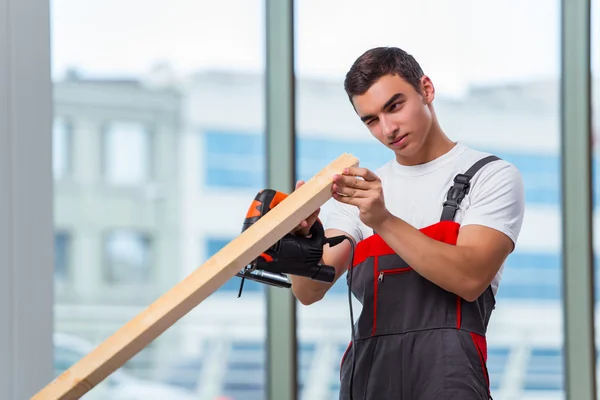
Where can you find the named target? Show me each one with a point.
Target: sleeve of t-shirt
(498, 200)
(344, 217)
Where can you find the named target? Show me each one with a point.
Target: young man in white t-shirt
(432, 229)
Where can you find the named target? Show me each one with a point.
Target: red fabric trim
(458, 311)
(344, 358)
(375, 290)
(395, 271)
(443, 231)
(372, 246)
(481, 343)
(481, 346)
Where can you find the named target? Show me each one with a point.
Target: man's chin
(406, 150)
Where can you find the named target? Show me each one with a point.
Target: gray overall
(414, 340)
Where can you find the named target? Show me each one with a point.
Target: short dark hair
(378, 62)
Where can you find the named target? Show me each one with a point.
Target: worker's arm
(309, 291)
(465, 269)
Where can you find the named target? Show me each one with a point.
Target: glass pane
(492, 94)
(126, 153)
(159, 130)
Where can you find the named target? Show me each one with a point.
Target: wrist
(384, 223)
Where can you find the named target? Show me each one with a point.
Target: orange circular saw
(292, 254)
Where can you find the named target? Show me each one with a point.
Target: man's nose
(388, 126)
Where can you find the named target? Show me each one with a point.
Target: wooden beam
(182, 298)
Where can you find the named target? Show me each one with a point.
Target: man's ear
(427, 89)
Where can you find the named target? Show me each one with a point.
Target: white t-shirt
(416, 195)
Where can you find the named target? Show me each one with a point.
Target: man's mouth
(399, 141)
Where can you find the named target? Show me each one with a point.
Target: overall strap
(461, 187)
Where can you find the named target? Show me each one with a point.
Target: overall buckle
(458, 191)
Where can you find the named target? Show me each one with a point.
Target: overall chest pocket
(391, 293)
(404, 301)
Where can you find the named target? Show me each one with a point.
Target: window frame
(26, 199)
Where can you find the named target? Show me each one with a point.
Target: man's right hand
(304, 227)
(309, 291)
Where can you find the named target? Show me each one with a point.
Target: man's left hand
(365, 193)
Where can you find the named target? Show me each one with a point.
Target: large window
(492, 93)
(152, 93)
(159, 149)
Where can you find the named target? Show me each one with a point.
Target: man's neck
(437, 145)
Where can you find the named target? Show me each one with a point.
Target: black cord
(350, 268)
(332, 242)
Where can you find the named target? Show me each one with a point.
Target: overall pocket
(388, 295)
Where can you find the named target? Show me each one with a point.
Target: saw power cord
(332, 242)
(350, 268)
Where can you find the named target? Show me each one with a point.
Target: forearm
(308, 291)
(451, 267)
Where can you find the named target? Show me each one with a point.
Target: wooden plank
(183, 297)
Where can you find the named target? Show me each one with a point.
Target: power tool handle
(264, 202)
